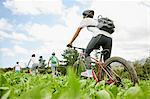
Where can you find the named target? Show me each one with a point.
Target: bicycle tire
(78, 67)
(129, 67)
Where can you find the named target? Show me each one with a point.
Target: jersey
(17, 68)
(95, 30)
(34, 60)
(53, 60)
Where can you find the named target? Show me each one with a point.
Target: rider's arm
(75, 35)
(84, 23)
(29, 62)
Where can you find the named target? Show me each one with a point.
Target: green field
(44, 86)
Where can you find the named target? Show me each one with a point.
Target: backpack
(105, 24)
(53, 60)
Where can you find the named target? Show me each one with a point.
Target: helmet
(88, 13)
(33, 55)
(53, 53)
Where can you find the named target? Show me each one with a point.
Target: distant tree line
(71, 55)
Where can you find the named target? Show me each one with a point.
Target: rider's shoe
(109, 82)
(87, 73)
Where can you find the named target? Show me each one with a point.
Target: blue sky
(46, 26)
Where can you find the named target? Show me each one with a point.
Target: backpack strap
(91, 26)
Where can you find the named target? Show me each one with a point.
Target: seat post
(101, 56)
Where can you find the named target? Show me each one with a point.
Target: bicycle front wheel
(121, 70)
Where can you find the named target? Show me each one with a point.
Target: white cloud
(15, 36)
(7, 52)
(71, 17)
(44, 32)
(5, 25)
(35, 7)
(7, 31)
(19, 36)
(20, 50)
(4, 35)
(87, 2)
(14, 51)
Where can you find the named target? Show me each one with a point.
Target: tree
(70, 55)
(146, 68)
(143, 70)
(139, 69)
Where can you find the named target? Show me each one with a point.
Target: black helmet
(33, 55)
(53, 53)
(88, 13)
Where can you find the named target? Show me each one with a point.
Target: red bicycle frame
(100, 65)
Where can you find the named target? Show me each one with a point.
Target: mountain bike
(116, 69)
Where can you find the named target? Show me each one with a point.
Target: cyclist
(54, 63)
(100, 38)
(35, 64)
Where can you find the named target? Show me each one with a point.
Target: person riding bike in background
(100, 38)
(54, 63)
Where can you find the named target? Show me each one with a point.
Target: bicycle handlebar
(78, 48)
(105, 51)
(74, 47)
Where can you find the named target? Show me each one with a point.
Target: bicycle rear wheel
(121, 70)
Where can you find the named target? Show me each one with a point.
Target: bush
(143, 70)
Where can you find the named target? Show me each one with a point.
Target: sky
(46, 26)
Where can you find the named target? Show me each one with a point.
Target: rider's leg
(53, 69)
(92, 45)
(34, 68)
(108, 45)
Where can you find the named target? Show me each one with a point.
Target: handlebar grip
(69, 45)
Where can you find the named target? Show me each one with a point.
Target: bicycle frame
(99, 62)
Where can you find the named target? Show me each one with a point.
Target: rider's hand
(69, 45)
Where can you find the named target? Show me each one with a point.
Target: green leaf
(114, 89)
(103, 94)
(4, 88)
(2, 80)
(73, 83)
(133, 93)
(6, 95)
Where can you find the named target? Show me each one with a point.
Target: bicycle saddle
(105, 51)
